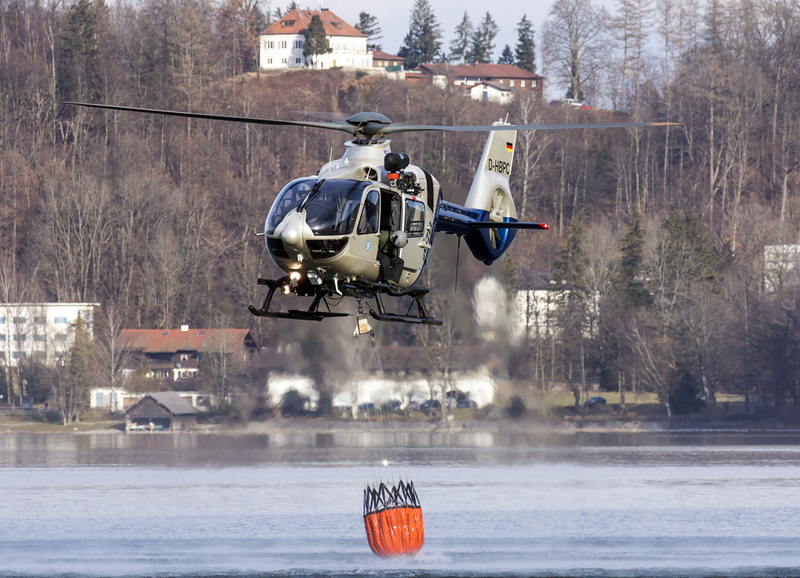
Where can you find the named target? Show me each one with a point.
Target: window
(59, 355)
(269, 61)
(415, 218)
(369, 215)
(40, 320)
(61, 337)
(511, 82)
(284, 60)
(533, 83)
(40, 337)
(297, 60)
(298, 43)
(39, 355)
(20, 338)
(19, 320)
(2, 337)
(284, 43)
(522, 83)
(19, 355)
(99, 400)
(2, 319)
(271, 44)
(184, 357)
(60, 320)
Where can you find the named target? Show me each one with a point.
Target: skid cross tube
(312, 314)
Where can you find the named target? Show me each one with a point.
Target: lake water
(524, 504)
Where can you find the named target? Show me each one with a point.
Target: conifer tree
(459, 46)
(369, 27)
(482, 45)
(629, 274)
(316, 40)
(71, 382)
(80, 70)
(572, 298)
(525, 51)
(423, 43)
(507, 57)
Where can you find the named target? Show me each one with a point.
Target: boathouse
(161, 411)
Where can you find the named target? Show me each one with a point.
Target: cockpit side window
(288, 199)
(415, 218)
(369, 214)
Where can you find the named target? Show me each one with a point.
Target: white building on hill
(281, 43)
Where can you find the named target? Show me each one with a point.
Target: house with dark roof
(177, 353)
(483, 81)
(161, 411)
(389, 62)
(281, 43)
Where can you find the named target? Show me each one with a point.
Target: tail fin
(490, 189)
(490, 194)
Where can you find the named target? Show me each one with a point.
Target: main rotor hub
(369, 124)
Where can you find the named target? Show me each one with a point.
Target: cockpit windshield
(333, 207)
(288, 199)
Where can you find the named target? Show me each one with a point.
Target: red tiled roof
(173, 340)
(380, 55)
(478, 70)
(297, 21)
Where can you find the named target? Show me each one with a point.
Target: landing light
(294, 276)
(286, 289)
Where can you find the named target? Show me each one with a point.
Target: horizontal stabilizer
(505, 225)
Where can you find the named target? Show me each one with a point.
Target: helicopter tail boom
(488, 219)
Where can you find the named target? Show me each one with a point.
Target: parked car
(594, 401)
(572, 102)
(391, 405)
(430, 404)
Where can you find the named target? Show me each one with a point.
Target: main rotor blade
(342, 126)
(367, 125)
(485, 128)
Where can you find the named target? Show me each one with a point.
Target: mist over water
(290, 504)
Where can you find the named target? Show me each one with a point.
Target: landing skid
(360, 289)
(312, 314)
(416, 299)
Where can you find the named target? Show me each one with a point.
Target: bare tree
(574, 45)
(530, 150)
(112, 354)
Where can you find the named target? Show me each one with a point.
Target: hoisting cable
(392, 512)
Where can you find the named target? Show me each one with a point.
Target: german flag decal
(509, 147)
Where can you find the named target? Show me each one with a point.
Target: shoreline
(301, 426)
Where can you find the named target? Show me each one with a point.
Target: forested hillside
(656, 256)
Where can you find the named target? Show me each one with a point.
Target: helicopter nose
(292, 235)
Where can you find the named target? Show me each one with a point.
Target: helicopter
(363, 226)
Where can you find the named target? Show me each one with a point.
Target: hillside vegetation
(656, 257)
